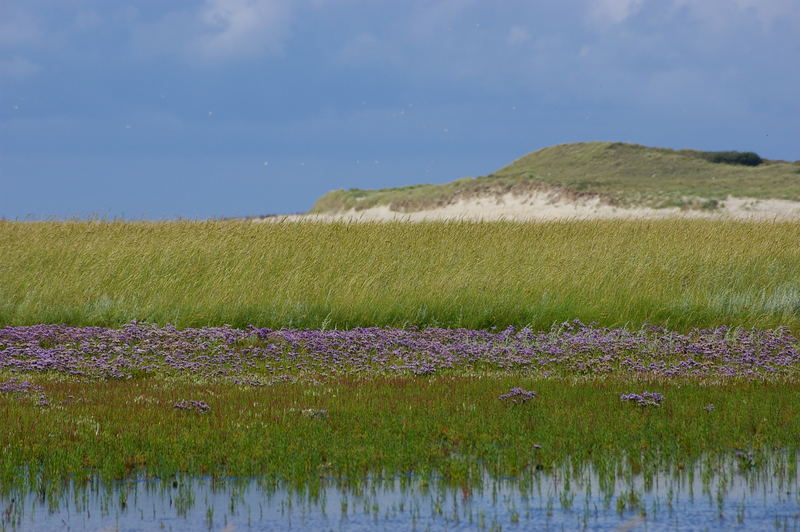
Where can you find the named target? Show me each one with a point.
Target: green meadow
(677, 273)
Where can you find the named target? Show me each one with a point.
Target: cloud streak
(235, 28)
(613, 11)
(217, 31)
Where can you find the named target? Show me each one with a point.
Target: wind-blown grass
(677, 273)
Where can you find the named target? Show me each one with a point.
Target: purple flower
(709, 407)
(25, 388)
(643, 399)
(193, 406)
(258, 355)
(14, 386)
(518, 395)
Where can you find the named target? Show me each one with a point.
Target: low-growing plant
(191, 405)
(747, 158)
(643, 399)
(518, 395)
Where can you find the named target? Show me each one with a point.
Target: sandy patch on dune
(542, 206)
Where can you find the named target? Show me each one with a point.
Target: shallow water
(738, 492)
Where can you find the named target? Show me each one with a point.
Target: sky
(218, 108)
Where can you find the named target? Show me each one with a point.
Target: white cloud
(613, 11)
(231, 28)
(218, 30)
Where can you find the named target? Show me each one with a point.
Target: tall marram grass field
(678, 273)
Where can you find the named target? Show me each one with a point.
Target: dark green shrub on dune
(744, 158)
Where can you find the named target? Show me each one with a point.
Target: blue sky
(210, 108)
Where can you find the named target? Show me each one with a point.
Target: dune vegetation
(621, 174)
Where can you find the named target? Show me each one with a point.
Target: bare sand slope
(543, 206)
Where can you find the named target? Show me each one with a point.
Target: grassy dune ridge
(677, 273)
(616, 173)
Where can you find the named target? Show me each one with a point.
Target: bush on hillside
(745, 158)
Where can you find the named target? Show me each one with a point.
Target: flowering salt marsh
(300, 405)
(258, 356)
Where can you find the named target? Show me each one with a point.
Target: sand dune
(544, 206)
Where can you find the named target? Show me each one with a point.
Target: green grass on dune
(617, 173)
(654, 176)
(680, 273)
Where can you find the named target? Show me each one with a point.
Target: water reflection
(744, 491)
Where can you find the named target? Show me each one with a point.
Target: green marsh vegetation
(676, 273)
(455, 426)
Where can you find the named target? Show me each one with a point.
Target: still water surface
(733, 493)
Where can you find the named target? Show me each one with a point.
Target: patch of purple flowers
(193, 406)
(25, 389)
(643, 399)
(15, 386)
(518, 395)
(139, 350)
